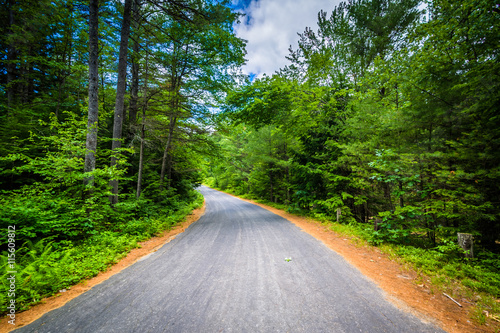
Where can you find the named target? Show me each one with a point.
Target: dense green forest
(385, 112)
(389, 113)
(113, 112)
(105, 110)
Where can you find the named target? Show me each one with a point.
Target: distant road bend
(228, 273)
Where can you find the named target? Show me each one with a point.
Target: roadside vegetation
(440, 269)
(105, 108)
(46, 266)
(387, 120)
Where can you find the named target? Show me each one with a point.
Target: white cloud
(273, 26)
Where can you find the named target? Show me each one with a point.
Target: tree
(93, 109)
(458, 107)
(120, 94)
(199, 59)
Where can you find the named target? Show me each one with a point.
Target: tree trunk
(143, 132)
(171, 127)
(23, 82)
(120, 94)
(401, 200)
(387, 195)
(134, 89)
(93, 112)
(271, 165)
(169, 170)
(466, 242)
(11, 56)
(287, 171)
(271, 184)
(431, 226)
(30, 85)
(141, 158)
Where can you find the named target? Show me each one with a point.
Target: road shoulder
(397, 280)
(145, 248)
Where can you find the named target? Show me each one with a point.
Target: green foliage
(181, 69)
(388, 115)
(447, 259)
(382, 116)
(58, 204)
(263, 102)
(43, 270)
(443, 266)
(47, 266)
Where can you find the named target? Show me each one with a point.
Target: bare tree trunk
(466, 242)
(23, 84)
(134, 89)
(387, 195)
(59, 93)
(93, 113)
(365, 206)
(169, 170)
(141, 158)
(271, 184)
(10, 57)
(143, 133)
(30, 85)
(287, 171)
(64, 73)
(287, 185)
(120, 94)
(271, 165)
(401, 200)
(171, 127)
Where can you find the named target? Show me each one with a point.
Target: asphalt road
(228, 273)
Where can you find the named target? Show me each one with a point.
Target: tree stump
(466, 242)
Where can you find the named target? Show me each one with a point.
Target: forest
(385, 123)
(106, 110)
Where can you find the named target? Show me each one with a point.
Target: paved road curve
(227, 273)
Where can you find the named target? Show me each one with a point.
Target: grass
(475, 281)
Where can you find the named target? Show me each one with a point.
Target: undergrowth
(48, 265)
(442, 265)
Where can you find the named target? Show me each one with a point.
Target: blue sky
(271, 26)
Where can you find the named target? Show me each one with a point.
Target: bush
(51, 264)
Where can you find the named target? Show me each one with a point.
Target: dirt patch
(398, 282)
(58, 300)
